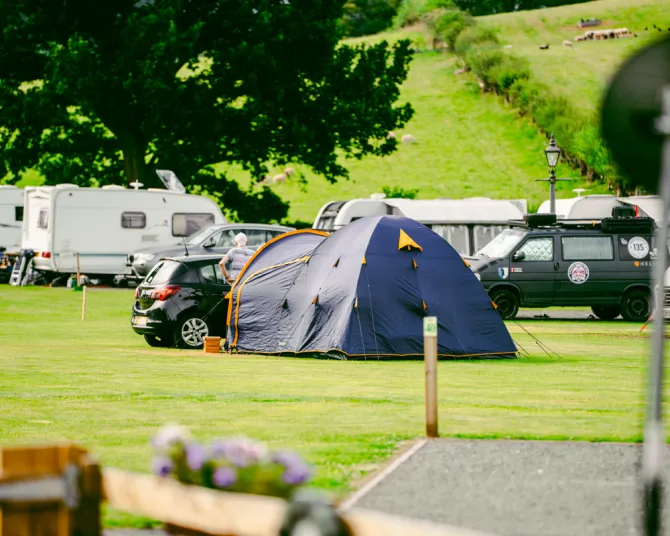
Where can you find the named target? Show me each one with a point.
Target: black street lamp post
(552, 152)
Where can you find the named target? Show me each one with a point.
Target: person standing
(237, 256)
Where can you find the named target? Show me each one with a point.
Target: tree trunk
(134, 164)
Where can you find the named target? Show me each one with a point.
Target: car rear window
(164, 272)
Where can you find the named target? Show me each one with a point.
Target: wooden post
(83, 303)
(35, 503)
(78, 274)
(430, 359)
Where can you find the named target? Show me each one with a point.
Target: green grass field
(580, 73)
(97, 383)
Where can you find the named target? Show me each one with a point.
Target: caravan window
(133, 220)
(456, 235)
(185, 224)
(18, 213)
(43, 218)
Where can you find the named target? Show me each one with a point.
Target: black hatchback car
(181, 301)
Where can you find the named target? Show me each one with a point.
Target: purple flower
(239, 452)
(295, 475)
(224, 477)
(161, 466)
(195, 456)
(297, 472)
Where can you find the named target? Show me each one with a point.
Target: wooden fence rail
(38, 496)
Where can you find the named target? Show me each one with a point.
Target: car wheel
(636, 306)
(191, 332)
(606, 312)
(507, 303)
(157, 342)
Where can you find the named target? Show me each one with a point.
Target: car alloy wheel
(193, 332)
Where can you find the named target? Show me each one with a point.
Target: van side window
(133, 220)
(185, 224)
(538, 249)
(43, 218)
(18, 213)
(587, 248)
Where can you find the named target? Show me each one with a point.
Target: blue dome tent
(363, 292)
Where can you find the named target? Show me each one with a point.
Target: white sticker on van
(638, 247)
(578, 273)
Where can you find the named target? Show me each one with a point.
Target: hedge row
(508, 75)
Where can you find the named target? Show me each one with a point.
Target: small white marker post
(83, 303)
(430, 359)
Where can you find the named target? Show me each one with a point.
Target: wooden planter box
(212, 345)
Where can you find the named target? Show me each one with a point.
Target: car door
(532, 270)
(588, 271)
(214, 290)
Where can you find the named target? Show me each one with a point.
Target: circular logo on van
(638, 247)
(578, 273)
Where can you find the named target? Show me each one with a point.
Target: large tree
(103, 92)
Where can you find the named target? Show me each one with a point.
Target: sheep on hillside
(408, 138)
(282, 176)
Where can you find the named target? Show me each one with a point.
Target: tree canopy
(106, 92)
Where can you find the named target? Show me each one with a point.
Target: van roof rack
(620, 225)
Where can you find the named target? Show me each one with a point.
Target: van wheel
(156, 342)
(507, 302)
(636, 306)
(606, 312)
(190, 332)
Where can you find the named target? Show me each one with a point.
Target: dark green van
(541, 262)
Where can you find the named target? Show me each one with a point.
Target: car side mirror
(209, 243)
(519, 256)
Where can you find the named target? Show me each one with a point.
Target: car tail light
(163, 293)
(46, 254)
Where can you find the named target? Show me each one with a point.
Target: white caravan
(11, 216)
(103, 225)
(467, 224)
(600, 206)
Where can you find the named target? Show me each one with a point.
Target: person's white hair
(241, 239)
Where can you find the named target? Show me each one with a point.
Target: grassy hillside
(581, 72)
(468, 144)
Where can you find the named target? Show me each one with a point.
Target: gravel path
(517, 487)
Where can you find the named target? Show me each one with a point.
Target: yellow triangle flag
(364, 261)
(404, 241)
(494, 304)
(424, 305)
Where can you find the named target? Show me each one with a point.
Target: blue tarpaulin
(363, 292)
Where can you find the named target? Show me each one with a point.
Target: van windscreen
(502, 244)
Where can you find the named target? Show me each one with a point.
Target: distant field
(580, 73)
(97, 383)
(468, 145)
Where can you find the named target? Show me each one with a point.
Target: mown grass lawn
(97, 383)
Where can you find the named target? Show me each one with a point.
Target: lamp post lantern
(552, 152)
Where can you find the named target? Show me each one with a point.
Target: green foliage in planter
(238, 465)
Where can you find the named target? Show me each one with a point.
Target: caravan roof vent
(66, 185)
(113, 187)
(378, 196)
